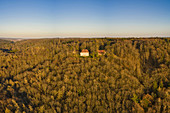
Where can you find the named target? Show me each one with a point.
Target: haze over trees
(48, 75)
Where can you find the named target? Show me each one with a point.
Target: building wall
(101, 53)
(84, 54)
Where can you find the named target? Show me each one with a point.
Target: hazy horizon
(84, 18)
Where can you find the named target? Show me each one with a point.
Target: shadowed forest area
(48, 75)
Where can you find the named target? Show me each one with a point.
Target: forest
(50, 76)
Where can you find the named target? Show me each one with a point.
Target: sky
(84, 18)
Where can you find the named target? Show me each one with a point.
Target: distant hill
(4, 41)
(12, 39)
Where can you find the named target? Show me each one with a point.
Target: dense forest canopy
(48, 75)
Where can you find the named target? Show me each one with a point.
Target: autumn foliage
(48, 75)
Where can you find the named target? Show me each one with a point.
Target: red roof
(101, 51)
(84, 50)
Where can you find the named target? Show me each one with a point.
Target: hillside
(48, 75)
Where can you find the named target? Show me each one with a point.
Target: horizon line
(86, 37)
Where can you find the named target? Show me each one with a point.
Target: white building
(84, 52)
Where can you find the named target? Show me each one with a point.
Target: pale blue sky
(53, 18)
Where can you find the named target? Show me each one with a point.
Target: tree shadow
(8, 50)
(10, 94)
(5, 50)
